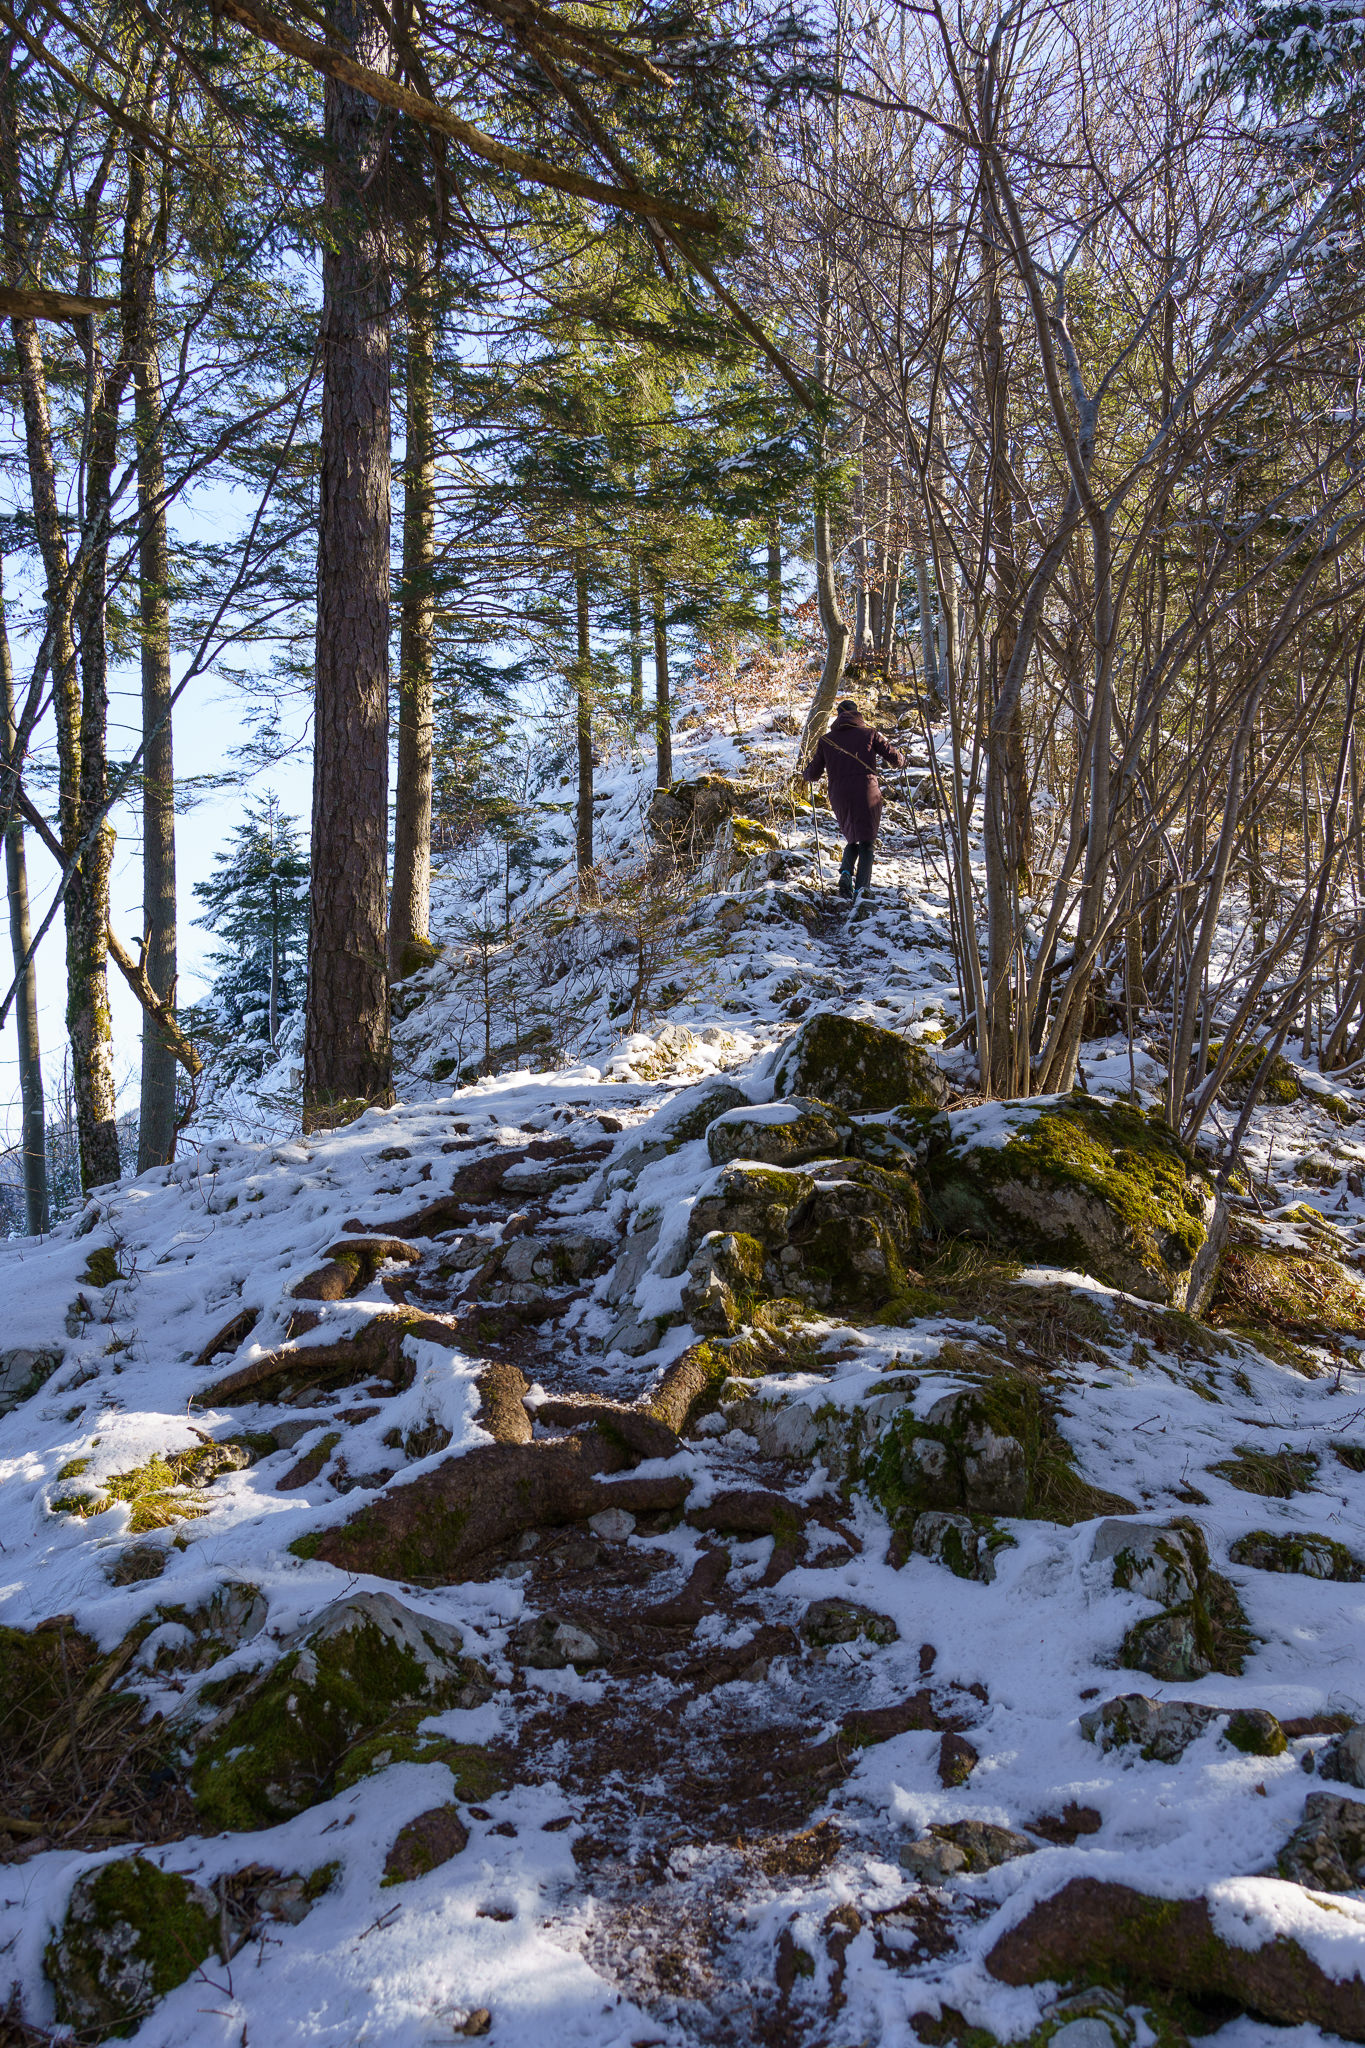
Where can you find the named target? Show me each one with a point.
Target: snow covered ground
(685, 1849)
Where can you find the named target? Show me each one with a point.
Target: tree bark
(635, 619)
(663, 697)
(34, 1131)
(410, 903)
(156, 1132)
(587, 880)
(774, 583)
(826, 581)
(347, 1061)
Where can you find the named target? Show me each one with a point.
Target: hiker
(847, 754)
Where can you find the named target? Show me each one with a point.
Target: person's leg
(863, 877)
(846, 870)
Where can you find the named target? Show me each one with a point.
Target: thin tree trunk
(635, 615)
(410, 903)
(927, 642)
(34, 1135)
(663, 699)
(774, 582)
(347, 1058)
(156, 1131)
(826, 581)
(587, 880)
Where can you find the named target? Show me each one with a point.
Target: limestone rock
(1344, 1759)
(858, 1067)
(826, 1622)
(1070, 1181)
(1202, 1627)
(955, 1541)
(724, 1279)
(752, 1201)
(963, 1847)
(22, 1371)
(786, 1133)
(1315, 1556)
(957, 1462)
(1161, 1730)
(691, 1114)
(1326, 1851)
(1091, 1928)
(132, 1932)
(274, 1746)
(546, 1642)
(235, 1613)
(851, 1240)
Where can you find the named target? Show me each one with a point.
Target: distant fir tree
(256, 904)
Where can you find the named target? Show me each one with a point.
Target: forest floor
(714, 1828)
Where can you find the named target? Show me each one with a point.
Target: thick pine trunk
(587, 879)
(410, 902)
(156, 1130)
(663, 698)
(347, 1060)
(33, 1128)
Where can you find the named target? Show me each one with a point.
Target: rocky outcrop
(132, 1932)
(22, 1371)
(1162, 1730)
(786, 1133)
(987, 1451)
(1098, 1187)
(273, 1747)
(1326, 1851)
(1313, 1555)
(858, 1067)
(1098, 1930)
(1201, 1627)
(961, 1848)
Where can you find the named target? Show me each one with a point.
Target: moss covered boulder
(989, 1450)
(1305, 1551)
(754, 1201)
(1284, 1275)
(1201, 1626)
(851, 1241)
(132, 1932)
(786, 1133)
(723, 1281)
(275, 1744)
(1099, 1187)
(858, 1067)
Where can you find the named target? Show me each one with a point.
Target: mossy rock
(132, 1932)
(275, 1746)
(1282, 1083)
(723, 1282)
(850, 1241)
(754, 1201)
(790, 1132)
(987, 1451)
(694, 1110)
(1099, 1187)
(1304, 1551)
(102, 1267)
(477, 1773)
(1283, 1279)
(858, 1067)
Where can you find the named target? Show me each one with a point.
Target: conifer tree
(256, 905)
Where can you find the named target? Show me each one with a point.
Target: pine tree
(256, 904)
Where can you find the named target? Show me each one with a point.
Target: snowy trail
(714, 1828)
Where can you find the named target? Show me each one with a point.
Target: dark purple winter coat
(848, 755)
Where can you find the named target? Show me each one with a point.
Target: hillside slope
(547, 1635)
